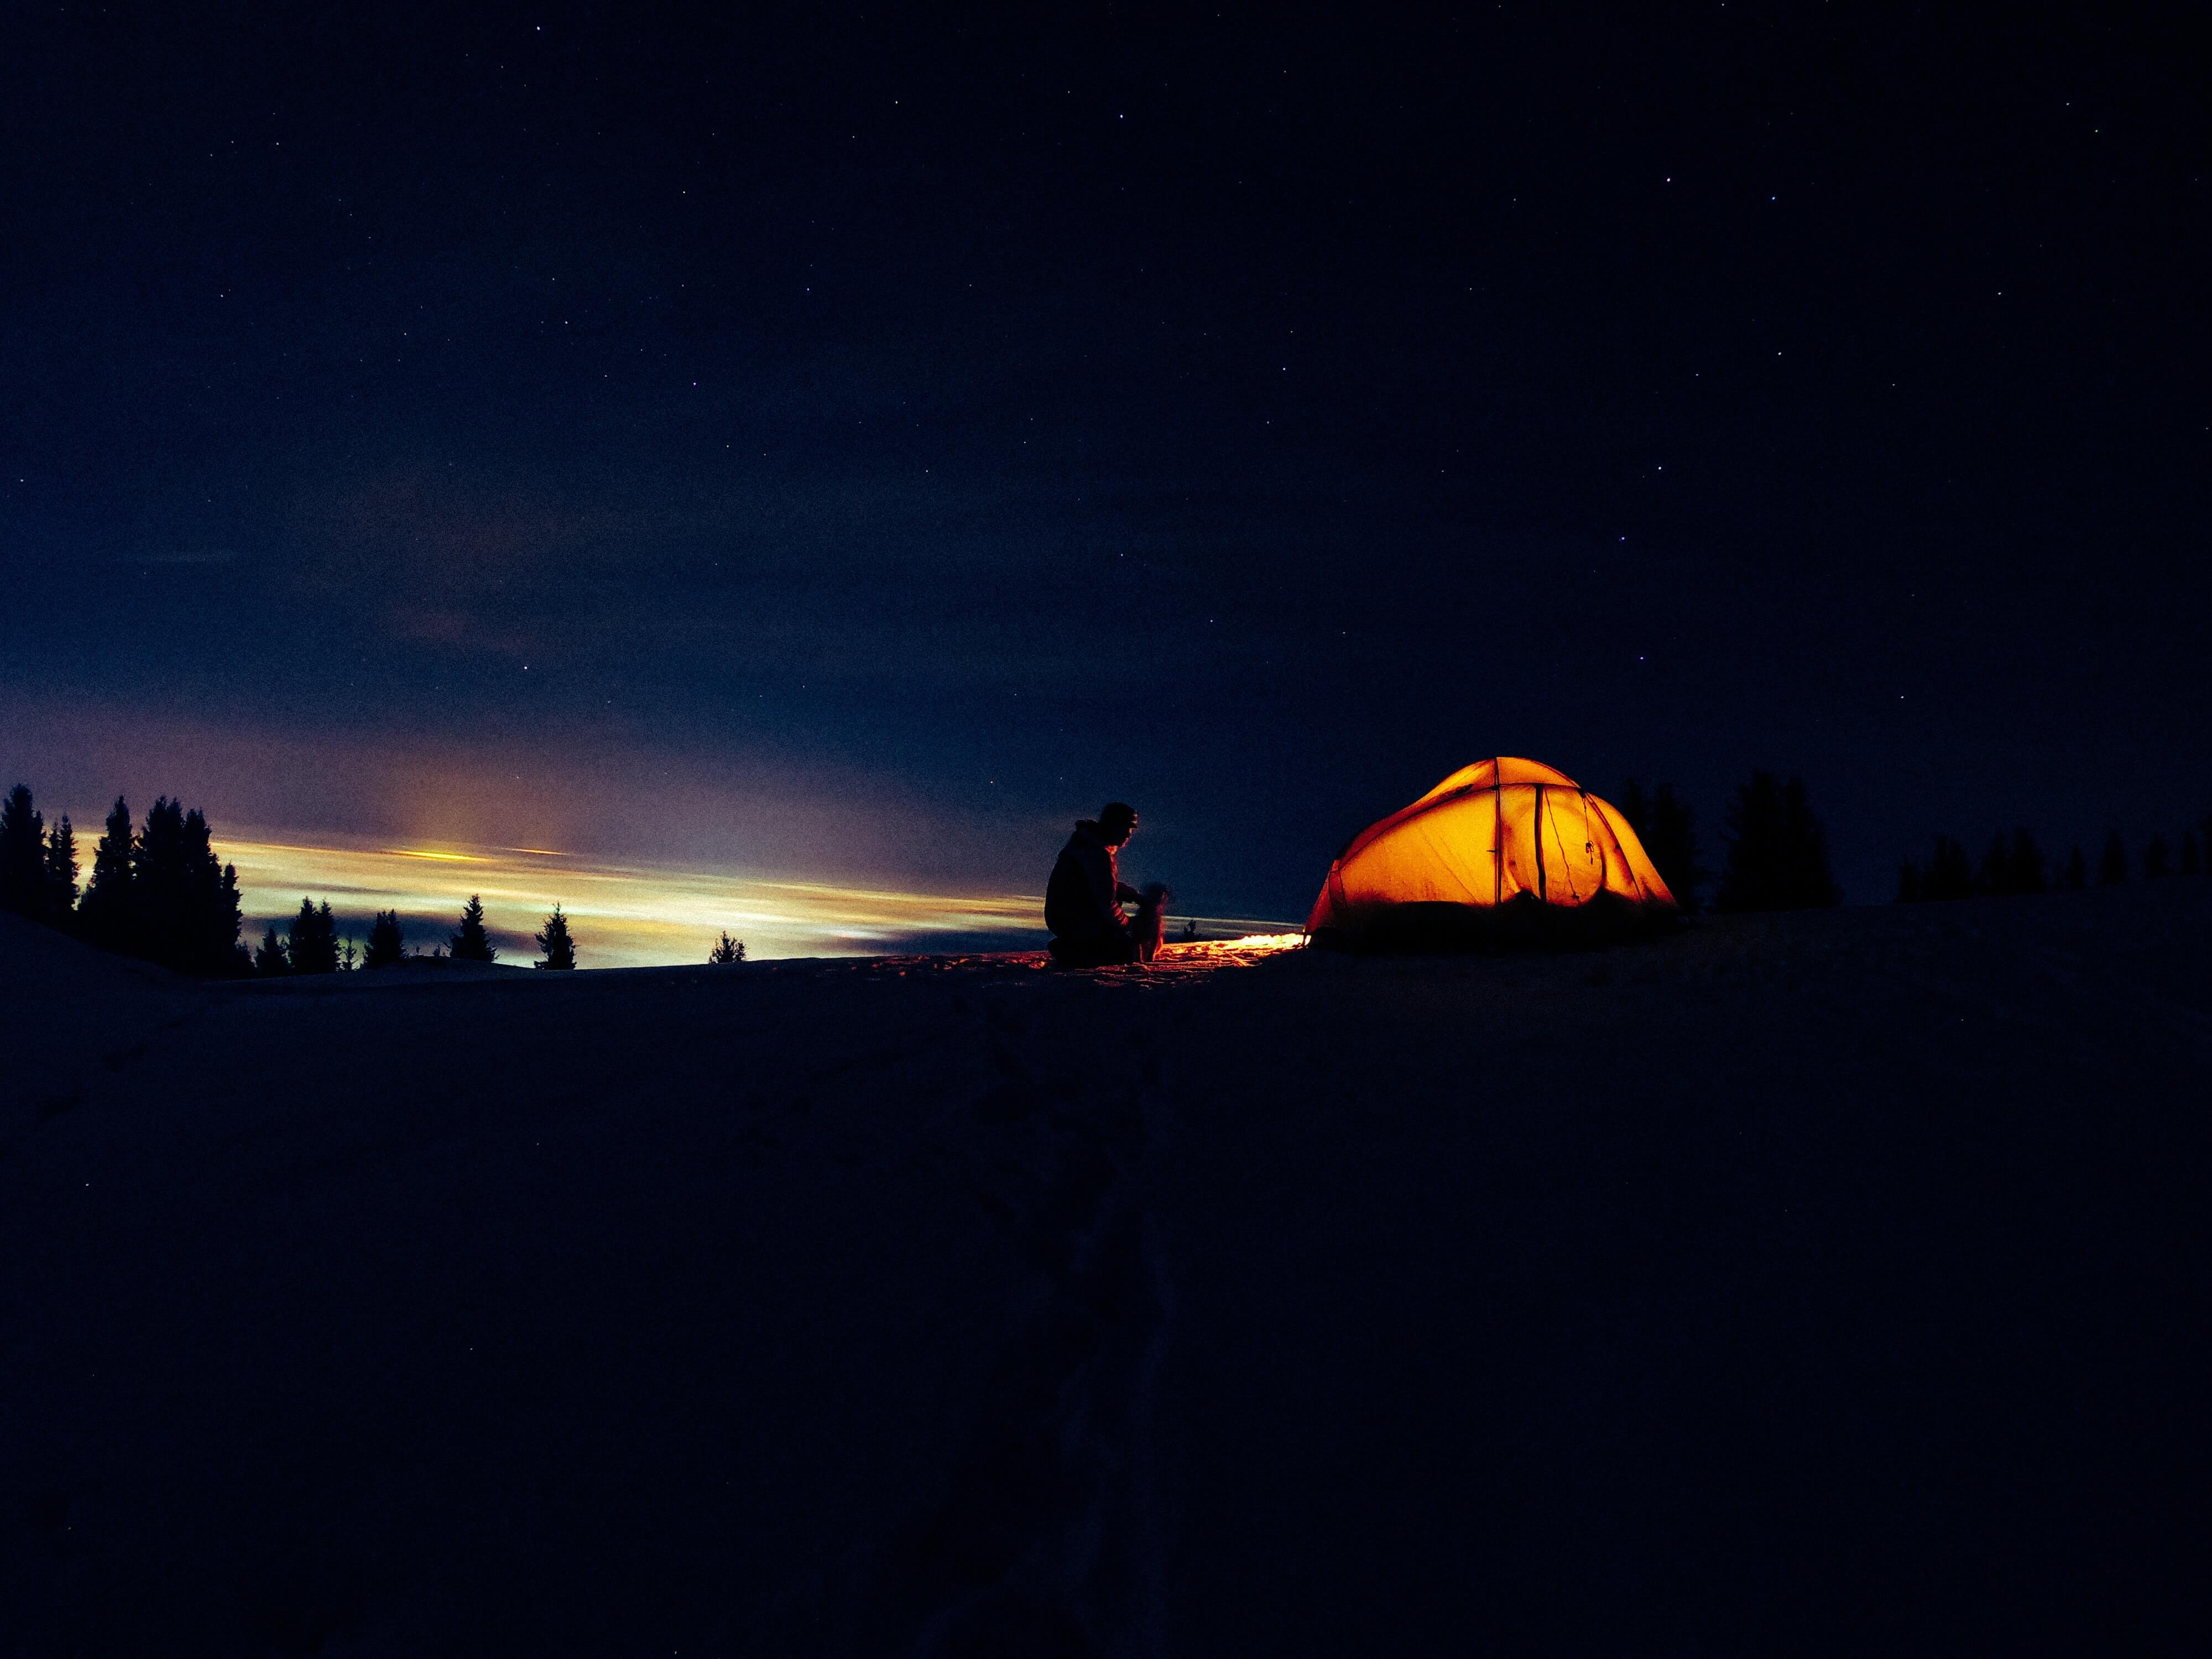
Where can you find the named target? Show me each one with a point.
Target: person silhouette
(1083, 898)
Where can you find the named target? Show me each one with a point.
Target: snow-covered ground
(1807, 1283)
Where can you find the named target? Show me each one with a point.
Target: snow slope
(1828, 1282)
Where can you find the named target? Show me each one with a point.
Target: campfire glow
(1252, 946)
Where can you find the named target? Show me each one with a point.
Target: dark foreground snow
(1833, 1282)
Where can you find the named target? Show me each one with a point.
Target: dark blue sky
(859, 447)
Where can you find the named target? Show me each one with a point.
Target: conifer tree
(184, 904)
(726, 953)
(1664, 823)
(1812, 883)
(2075, 876)
(2192, 860)
(471, 942)
(2112, 867)
(315, 943)
(2013, 865)
(61, 873)
(1777, 850)
(1950, 874)
(22, 856)
(273, 957)
(211, 922)
(559, 950)
(1994, 879)
(229, 955)
(2157, 863)
(2026, 870)
(160, 884)
(1908, 882)
(387, 943)
(105, 911)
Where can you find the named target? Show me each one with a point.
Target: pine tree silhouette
(61, 874)
(2112, 867)
(2157, 860)
(1777, 851)
(105, 914)
(273, 957)
(471, 942)
(314, 943)
(1994, 879)
(211, 887)
(160, 884)
(559, 950)
(1950, 873)
(22, 856)
(183, 909)
(1664, 823)
(229, 916)
(387, 943)
(2075, 876)
(1908, 882)
(2013, 865)
(2192, 859)
(726, 951)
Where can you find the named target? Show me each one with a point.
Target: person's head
(1117, 822)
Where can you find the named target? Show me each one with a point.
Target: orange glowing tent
(1503, 850)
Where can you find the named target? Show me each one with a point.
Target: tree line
(1777, 855)
(1776, 847)
(314, 946)
(2015, 864)
(158, 893)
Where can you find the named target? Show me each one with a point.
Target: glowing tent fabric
(1505, 847)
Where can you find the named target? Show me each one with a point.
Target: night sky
(854, 448)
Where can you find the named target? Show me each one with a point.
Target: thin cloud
(624, 915)
(212, 555)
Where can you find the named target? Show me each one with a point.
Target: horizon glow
(623, 916)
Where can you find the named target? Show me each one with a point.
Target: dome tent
(1504, 851)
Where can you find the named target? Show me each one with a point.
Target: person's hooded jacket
(1083, 897)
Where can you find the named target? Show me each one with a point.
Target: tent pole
(1541, 895)
(1496, 838)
